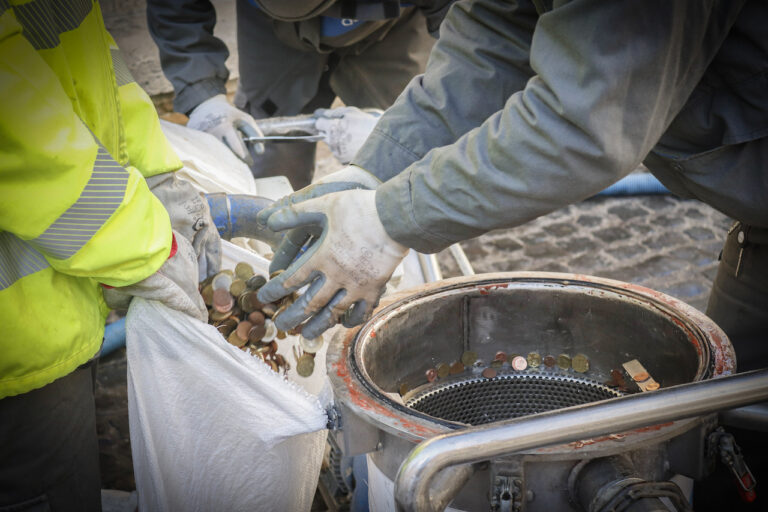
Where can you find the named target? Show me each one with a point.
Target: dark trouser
(739, 305)
(49, 453)
(281, 79)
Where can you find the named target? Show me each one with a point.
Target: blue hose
(114, 337)
(635, 185)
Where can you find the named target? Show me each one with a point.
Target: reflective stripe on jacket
(77, 138)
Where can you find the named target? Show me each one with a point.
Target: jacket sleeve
(608, 79)
(60, 190)
(192, 58)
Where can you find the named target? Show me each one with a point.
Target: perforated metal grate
(476, 401)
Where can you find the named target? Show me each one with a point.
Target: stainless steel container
(388, 399)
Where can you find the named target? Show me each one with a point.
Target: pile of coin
(244, 321)
(516, 362)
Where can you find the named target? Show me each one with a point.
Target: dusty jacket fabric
(77, 137)
(522, 111)
(193, 59)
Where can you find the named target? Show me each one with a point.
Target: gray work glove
(225, 122)
(348, 178)
(346, 267)
(174, 284)
(190, 217)
(345, 129)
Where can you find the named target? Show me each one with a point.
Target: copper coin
(549, 361)
(273, 347)
(256, 282)
(641, 377)
(256, 318)
(243, 328)
(280, 359)
(431, 375)
(652, 386)
(249, 302)
(256, 333)
(456, 368)
(468, 358)
(519, 363)
(489, 373)
(500, 356)
(443, 370)
(222, 301)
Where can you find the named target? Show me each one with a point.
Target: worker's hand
(225, 122)
(190, 217)
(348, 178)
(174, 284)
(346, 267)
(345, 129)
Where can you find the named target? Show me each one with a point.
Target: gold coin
(237, 287)
(534, 360)
(243, 271)
(235, 340)
(404, 388)
(652, 386)
(564, 361)
(456, 368)
(207, 293)
(305, 365)
(275, 274)
(580, 363)
(443, 370)
(468, 358)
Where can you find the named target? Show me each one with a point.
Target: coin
(225, 329)
(500, 356)
(256, 318)
(456, 368)
(564, 361)
(468, 358)
(305, 365)
(256, 333)
(222, 301)
(580, 363)
(237, 287)
(652, 386)
(519, 363)
(281, 334)
(404, 388)
(243, 328)
(549, 361)
(268, 309)
(271, 331)
(248, 302)
(218, 316)
(534, 359)
(497, 363)
(443, 370)
(235, 340)
(207, 293)
(489, 373)
(431, 375)
(641, 377)
(255, 282)
(275, 274)
(243, 271)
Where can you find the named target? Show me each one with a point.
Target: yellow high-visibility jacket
(77, 138)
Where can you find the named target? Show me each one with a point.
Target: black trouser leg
(49, 454)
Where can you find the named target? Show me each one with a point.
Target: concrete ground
(661, 242)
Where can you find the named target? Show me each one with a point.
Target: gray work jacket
(522, 111)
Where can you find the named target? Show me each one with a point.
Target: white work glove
(174, 284)
(346, 267)
(226, 122)
(348, 178)
(190, 217)
(345, 129)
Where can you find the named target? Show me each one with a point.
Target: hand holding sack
(347, 266)
(174, 284)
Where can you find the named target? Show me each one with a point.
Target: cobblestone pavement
(661, 242)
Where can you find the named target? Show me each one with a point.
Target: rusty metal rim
(367, 399)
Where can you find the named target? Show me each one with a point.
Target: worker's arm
(191, 57)
(609, 78)
(60, 190)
